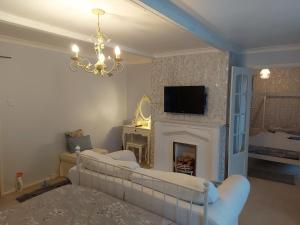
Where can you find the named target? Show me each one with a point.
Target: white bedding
(77, 205)
(233, 195)
(277, 140)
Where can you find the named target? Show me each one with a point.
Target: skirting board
(12, 190)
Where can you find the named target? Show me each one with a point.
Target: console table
(142, 131)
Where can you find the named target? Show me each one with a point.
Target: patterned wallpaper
(209, 69)
(281, 111)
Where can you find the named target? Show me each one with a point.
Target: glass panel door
(239, 120)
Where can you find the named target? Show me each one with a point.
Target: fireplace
(203, 142)
(184, 158)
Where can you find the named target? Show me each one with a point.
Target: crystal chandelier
(104, 65)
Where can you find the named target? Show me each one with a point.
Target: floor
(10, 199)
(272, 203)
(269, 203)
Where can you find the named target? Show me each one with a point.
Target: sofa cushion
(107, 165)
(100, 150)
(172, 180)
(123, 155)
(71, 157)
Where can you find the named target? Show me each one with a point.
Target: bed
(118, 192)
(277, 146)
(76, 205)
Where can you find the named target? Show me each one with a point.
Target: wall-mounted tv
(185, 99)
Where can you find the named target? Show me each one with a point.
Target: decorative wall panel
(208, 69)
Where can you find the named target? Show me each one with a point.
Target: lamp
(265, 74)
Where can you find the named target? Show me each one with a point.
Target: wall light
(265, 74)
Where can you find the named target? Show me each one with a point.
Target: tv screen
(185, 99)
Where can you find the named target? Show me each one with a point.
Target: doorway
(274, 143)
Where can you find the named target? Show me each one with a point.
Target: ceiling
(46, 40)
(144, 33)
(134, 28)
(249, 23)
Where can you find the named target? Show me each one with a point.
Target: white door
(240, 100)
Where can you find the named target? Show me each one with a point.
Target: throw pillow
(77, 133)
(83, 142)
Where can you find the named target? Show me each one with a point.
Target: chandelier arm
(112, 67)
(117, 66)
(89, 69)
(83, 62)
(100, 67)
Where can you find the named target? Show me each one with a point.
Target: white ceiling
(134, 28)
(46, 40)
(246, 23)
(249, 23)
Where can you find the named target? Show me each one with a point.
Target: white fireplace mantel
(209, 140)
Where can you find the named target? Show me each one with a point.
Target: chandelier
(104, 65)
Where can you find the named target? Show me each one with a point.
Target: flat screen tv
(185, 99)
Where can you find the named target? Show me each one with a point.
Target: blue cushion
(83, 142)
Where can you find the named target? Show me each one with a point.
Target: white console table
(143, 131)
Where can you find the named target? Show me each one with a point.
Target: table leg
(140, 155)
(123, 140)
(148, 150)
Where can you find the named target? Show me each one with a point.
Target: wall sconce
(265, 74)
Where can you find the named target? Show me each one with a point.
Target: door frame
(230, 117)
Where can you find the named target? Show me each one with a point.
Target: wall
(41, 99)
(209, 69)
(276, 56)
(138, 85)
(1, 157)
(280, 111)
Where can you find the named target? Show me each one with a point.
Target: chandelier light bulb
(265, 73)
(117, 52)
(101, 58)
(75, 48)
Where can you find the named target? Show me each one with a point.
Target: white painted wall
(138, 84)
(41, 99)
(1, 156)
(272, 58)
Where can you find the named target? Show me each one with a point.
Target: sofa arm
(234, 192)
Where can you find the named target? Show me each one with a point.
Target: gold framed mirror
(143, 113)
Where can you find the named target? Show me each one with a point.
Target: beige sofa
(233, 193)
(68, 160)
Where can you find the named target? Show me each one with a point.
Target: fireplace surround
(208, 140)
